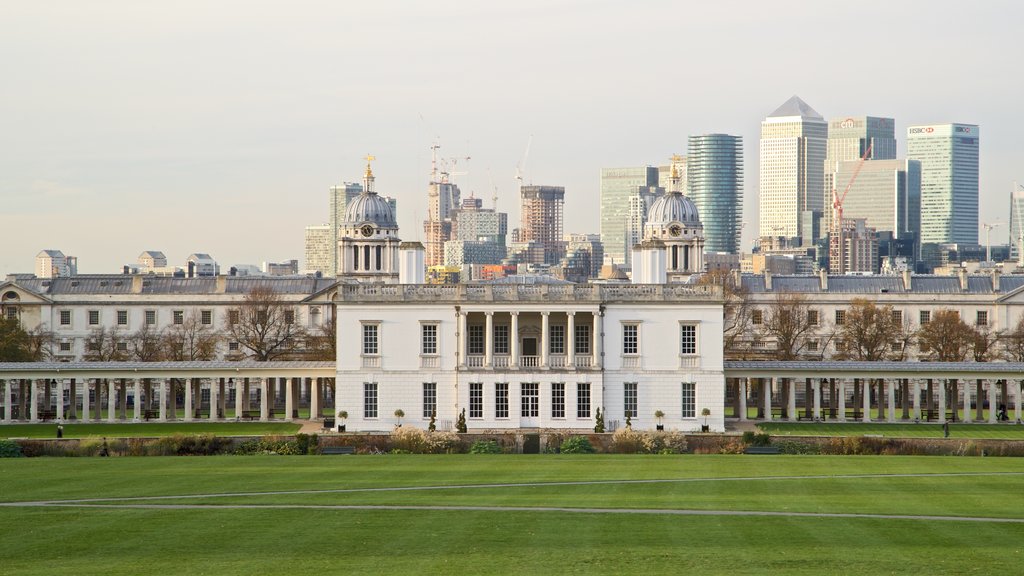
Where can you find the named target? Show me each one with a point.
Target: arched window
(675, 257)
(355, 257)
(379, 253)
(366, 258)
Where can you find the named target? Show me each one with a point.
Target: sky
(219, 127)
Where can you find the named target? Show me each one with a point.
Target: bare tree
(104, 345)
(146, 345)
(265, 325)
(789, 322)
(1013, 342)
(322, 341)
(190, 340)
(736, 312)
(868, 331)
(946, 338)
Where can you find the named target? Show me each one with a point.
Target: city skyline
(191, 128)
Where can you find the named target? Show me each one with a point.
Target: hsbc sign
(962, 129)
(923, 130)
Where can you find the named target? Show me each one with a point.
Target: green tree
(15, 343)
(946, 338)
(868, 331)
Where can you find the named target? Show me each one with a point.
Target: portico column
(60, 399)
(289, 398)
(222, 398)
(73, 397)
(314, 399)
(1016, 402)
(866, 397)
(766, 388)
(264, 400)
(942, 404)
(85, 400)
(599, 339)
(239, 393)
(462, 339)
(245, 395)
(489, 339)
(137, 405)
(841, 396)
(741, 386)
(570, 337)
(816, 389)
(915, 391)
(791, 400)
(992, 405)
(890, 393)
(33, 399)
(545, 339)
(122, 397)
(163, 400)
(189, 413)
(213, 400)
(47, 394)
(111, 400)
(8, 401)
(513, 341)
(967, 402)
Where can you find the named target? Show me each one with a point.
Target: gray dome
(369, 207)
(672, 207)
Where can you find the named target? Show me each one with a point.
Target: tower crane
(988, 241)
(521, 166)
(1017, 189)
(836, 245)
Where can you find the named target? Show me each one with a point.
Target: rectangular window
(476, 339)
(370, 342)
(925, 317)
(233, 317)
(688, 339)
(530, 400)
(94, 317)
(631, 338)
(897, 317)
(206, 317)
(428, 338)
(289, 316)
(65, 346)
(501, 400)
(812, 345)
(11, 313)
(501, 339)
(981, 318)
(150, 317)
(629, 400)
(233, 346)
(557, 339)
(178, 317)
(122, 346)
(583, 400)
(840, 317)
(369, 399)
(429, 399)
(122, 317)
(558, 400)
(583, 339)
(757, 317)
(65, 317)
(812, 317)
(476, 400)
(689, 400)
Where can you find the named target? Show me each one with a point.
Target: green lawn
(148, 429)
(928, 430)
(291, 540)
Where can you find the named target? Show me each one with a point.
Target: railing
(502, 361)
(526, 293)
(430, 361)
(689, 361)
(584, 361)
(475, 361)
(630, 361)
(371, 361)
(557, 361)
(529, 361)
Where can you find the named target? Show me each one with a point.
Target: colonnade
(157, 399)
(543, 359)
(922, 399)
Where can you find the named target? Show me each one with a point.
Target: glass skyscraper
(715, 184)
(618, 185)
(949, 181)
(848, 139)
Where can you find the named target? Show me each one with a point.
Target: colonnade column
(163, 400)
(967, 402)
(545, 339)
(841, 394)
(570, 337)
(766, 391)
(890, 393)
(73, 396)
(264, 400)
(188, 399)
(111, 400)
(599, 338)
(1016, 402)
(33, 407)
(489, 339)
(942, 404)
(9, 400)
(915, 400)
(137, 405)
(60, 399)
(289, 398)
(741, 389)
(791, 400)
(239, 393)
(992, 404)
(462, 339)
(816, 389)
(513, 342)
(222, 398)
(85, 400)
(866, 397)
(314, 399)
(213, 400)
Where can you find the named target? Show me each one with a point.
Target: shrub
(577, 445)
(269, 445)
(443, 442)
(179, 445)
(410, 440)
(460, 424)
(796, 447)
(485, 447)
(627, 441)
(306, 443)
(668, 442)
(10, 449)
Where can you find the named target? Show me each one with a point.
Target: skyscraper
(886, 194)
(715, 184)
(1016, 230)
(848, 139)
(543, 220)
(617, 186)
(949, 181)
(793, 145)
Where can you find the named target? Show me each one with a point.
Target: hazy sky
(219, 126)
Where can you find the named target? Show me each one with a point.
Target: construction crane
(1017, 188)
(836, 245)
(521, 166)
(988, 241)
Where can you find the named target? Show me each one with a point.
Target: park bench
(328, 423)
(250, 414)
(47, 414)
(150, 414)
(761, 450)
(327, 450)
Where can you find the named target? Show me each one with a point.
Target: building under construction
(542, 220)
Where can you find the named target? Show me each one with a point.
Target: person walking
(945, 429)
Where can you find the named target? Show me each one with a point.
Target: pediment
(23, 296)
